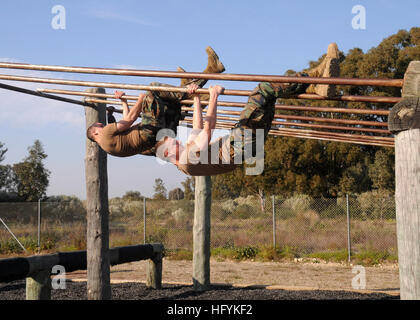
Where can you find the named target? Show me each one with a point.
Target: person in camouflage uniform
(159, 110)
(257, 114)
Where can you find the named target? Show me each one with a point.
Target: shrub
(245, 253)
(298, 203)
(243, 211)
(377, 204)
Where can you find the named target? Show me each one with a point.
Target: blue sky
(250, 37)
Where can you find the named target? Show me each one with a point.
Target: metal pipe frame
(208, 76)
(238, 104)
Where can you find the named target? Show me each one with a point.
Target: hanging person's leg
(214, 65)
(259, 111)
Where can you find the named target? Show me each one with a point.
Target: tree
(382, 170)
(189, 187)
(132, 196)
(31, 175)
(160, 190)
(8, 187)
(2, 151)
(176, 194)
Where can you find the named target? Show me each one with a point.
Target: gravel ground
(138, 291)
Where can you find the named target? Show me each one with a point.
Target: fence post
(348, 228)
(201, 233)
(38, 286)
(98, 266)
(404, 123)
(144, 220)
(39, 225)
(154, 268)
(274, 223)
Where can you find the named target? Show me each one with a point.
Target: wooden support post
(98, 266)
(201, 236)
(38, 286)
(404, 122)
(154, 268)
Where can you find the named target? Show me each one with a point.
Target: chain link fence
(302, 224)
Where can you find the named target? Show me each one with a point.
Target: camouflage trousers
(258, 113)
(162, 110)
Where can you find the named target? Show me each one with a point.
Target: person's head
(93, 131)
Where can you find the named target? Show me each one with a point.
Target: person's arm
(197, 113)
(203, 139)
(129, 115)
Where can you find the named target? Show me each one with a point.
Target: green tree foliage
(8, 188)
(160, 190)
(132, 196)
(31, 175)
(3, 150)
(381, 172)
(189, 186)
(330, 169)
(63, 209)
(176, 194)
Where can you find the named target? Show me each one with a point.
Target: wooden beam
(98, 262)
(201, 234)
(404, 121)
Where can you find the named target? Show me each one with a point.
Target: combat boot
(184, 81)
(214, 64)
(329, 67)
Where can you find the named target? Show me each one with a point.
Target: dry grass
(236, 223)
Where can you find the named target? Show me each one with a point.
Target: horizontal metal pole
(303, 118)
(45, 95)
(337, 134)
(320, 134)
(313, 125)
(276, 116)
(114, 85)
(208, 76)
(309, 96)
(334, 139)
(314, 135)
(306, 131)
(333, 110)
(238, 104)
(305, 96)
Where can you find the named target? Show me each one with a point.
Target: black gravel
(138, 291)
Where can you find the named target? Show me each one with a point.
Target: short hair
(89, 131)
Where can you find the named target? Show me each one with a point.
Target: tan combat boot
(184, 81)
(329, 67)
(214, 64)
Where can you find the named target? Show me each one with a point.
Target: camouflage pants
(161, 110)
(259, 112)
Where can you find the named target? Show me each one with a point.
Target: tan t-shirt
(120, 144)
(217, 160)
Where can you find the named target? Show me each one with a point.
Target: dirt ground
(236, 280)
(291, 275)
